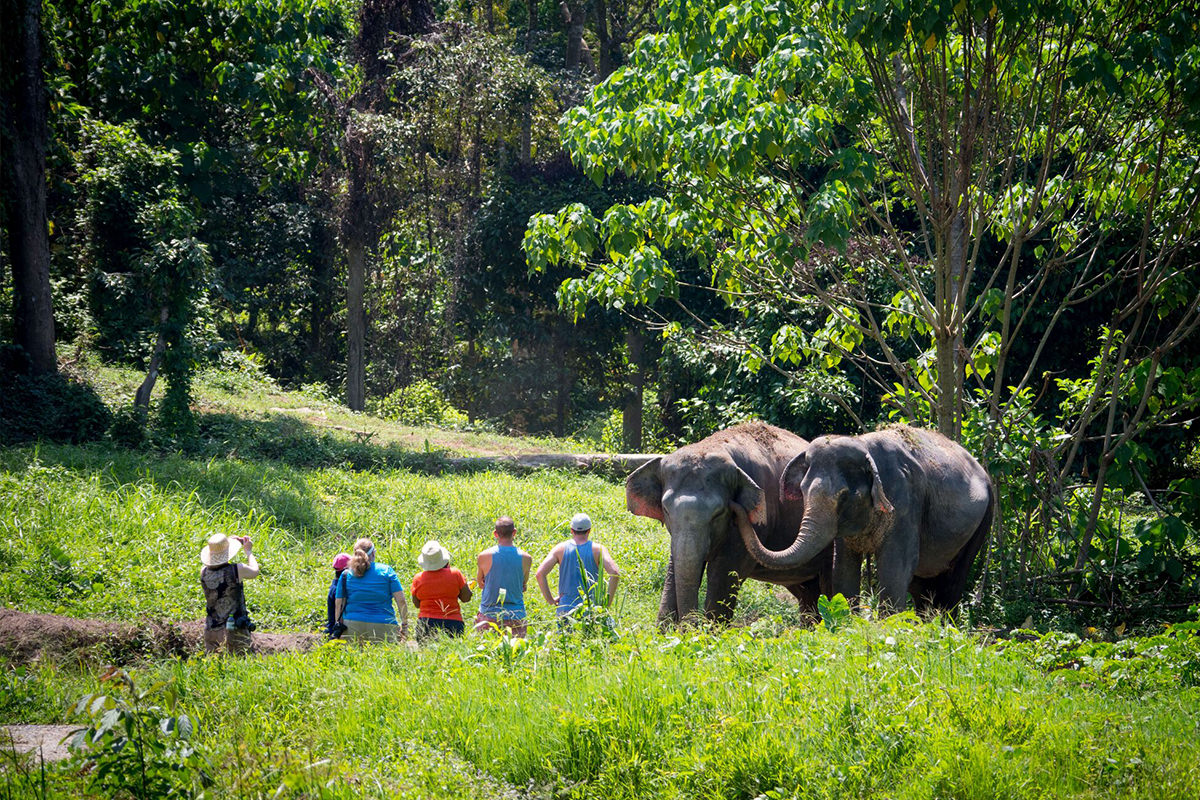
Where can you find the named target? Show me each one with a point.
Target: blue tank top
(507, 573)
(577, 575)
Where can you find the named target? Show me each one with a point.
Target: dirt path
(27, 638)
(39, 741)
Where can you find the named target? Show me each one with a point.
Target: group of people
(366, 598)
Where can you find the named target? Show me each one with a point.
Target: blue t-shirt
(577, 574)
(508, 573)
(369, 598)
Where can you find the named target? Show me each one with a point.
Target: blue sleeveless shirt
(507, 573)
(577, 574)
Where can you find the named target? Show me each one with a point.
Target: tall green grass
(104, 532)
(890, 710)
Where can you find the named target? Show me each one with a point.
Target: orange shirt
(437, 592)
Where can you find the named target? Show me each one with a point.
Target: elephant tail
(953, 584)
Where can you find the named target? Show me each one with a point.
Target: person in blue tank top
(579, 562)
(503, 573)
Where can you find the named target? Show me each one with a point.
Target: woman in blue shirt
(365, 595)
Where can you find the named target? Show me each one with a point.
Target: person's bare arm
(526, 565)
(250, 568)
(614, 574)
(398, 597)
(339, 605)
(483, 563)
(544, 570)
(464, 594)
(416, 602)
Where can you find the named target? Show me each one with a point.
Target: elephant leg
(895, 562)
(807, 594)
(720, 601)
(847, 570)
(923, 594)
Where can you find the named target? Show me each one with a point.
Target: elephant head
(839, 482)
(691, 496)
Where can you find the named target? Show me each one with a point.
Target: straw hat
(433, 556)
(219, 550)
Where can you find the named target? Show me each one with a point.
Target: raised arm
(250, 568)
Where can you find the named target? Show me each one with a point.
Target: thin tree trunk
(533, 13)
(355, 323)
(606, 60)
(142, 398)
(631, 418)
(23, 136)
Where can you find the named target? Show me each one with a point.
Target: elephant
(690, 492)
(917, 502)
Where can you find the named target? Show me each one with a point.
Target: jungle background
(280, 267)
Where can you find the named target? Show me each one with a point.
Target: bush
(420, 403)
(54, 407)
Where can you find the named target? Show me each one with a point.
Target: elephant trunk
(816, 532)
(668, 608)
(688, 567)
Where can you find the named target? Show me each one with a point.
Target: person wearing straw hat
(437, 591)
(503, 572)
(579, 560)
(226, 619)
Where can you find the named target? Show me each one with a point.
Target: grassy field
(767, 708)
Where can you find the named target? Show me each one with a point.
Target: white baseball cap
(581, 523)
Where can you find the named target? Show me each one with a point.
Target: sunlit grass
(895, 709)
(104, 532)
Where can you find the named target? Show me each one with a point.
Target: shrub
(54, 407)
(137, 748)
(420, 403)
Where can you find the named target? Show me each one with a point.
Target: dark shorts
(428, 627)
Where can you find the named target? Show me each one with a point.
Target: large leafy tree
(23, 141)
(955, 188)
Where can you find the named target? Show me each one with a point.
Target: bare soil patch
(28, 638)
(39, 741)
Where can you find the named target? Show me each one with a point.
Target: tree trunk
(356, 323)
(606, 61)
(533, 13)
(23, 135)
(142, 398)
(577, 50)
(631, 418)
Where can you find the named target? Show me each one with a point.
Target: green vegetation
(897, 709)
(100, 532)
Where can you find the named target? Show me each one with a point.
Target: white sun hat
(219, 550)
(433, 556)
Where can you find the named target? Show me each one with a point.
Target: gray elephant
(917, 502)
(690, 492)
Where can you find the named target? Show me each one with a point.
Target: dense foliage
(972, 215)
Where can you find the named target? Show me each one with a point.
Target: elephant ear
(789, 481)
(878, 497)
(750, 496)
(644, 491)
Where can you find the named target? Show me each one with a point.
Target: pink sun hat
(341, 561)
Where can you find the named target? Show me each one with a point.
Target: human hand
(247, 542)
